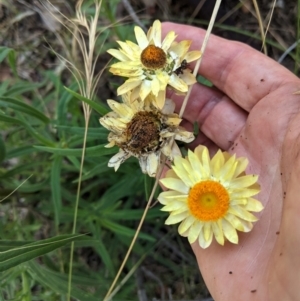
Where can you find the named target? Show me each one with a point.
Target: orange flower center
(153, 57)
(208, 201)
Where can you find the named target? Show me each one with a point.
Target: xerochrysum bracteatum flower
(152, 64)
(141, 130)
(210, 197)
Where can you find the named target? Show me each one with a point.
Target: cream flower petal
(241, 166)
(118, 159)
(188, 77)
(118, 55)
(119, 109)
(141, 37)
(166, 197)
(228, 169)
(160, 99)
(127, 86)
(205, 160)
(194, 232)
(247, 226)
(243, 182)
(126, 48)
(155, 86)
(218, 232)
(155, 33)
(153, 161)
(230, 232)
(172, 206)
(181, 171)
(168, 40)
(253, 205)
(145, 89)
(178, 83)
(242, 213)
(184, 136)
(192, 56)
(244, 193)
(206, 242)
(175, 184)
(143, 164)
(186, 224)
(174, 219)
(235, 221)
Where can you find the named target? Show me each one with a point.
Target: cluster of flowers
(208, 197)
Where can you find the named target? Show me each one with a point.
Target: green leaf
(96, 133)
(56, 187)
(59, 283)
(20, 151)
(15, 256)
(100, 108)
(29, 128)
(93, 151)
(2, 149)
(22, 87)
(119, 229)
(10, 54)
(23, 107)
(10, 244)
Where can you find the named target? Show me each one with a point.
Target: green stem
(25, 288)
(76, 208)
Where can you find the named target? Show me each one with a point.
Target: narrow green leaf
(119, 229)
(2, 149)
(93, 151)
(56, 187)
(13, 257)
(10, 244)
(26, 188)
(29, 128)
(59, 283)
(100, 108)
(18, 169)
(10, 54)
(21, 87)
(96, 133)
(20, 151)
(23, 107)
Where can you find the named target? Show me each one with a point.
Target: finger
(219, 118)
(242, 73)
(200, 138)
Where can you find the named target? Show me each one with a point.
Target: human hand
(251, 111)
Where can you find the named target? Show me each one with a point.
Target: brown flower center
(208, 200)
(142, 133)
(153, 57)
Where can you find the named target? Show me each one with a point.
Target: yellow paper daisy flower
(210, 197)
(152, 64)
(141, 130)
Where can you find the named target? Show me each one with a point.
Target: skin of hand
(252, 111)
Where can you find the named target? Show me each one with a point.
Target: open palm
(252, 111)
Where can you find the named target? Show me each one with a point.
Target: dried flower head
(153, 64)
(141, 130)
(210, 197)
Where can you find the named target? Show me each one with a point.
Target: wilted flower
(153, 64)
(210, 197)
(141, 130)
